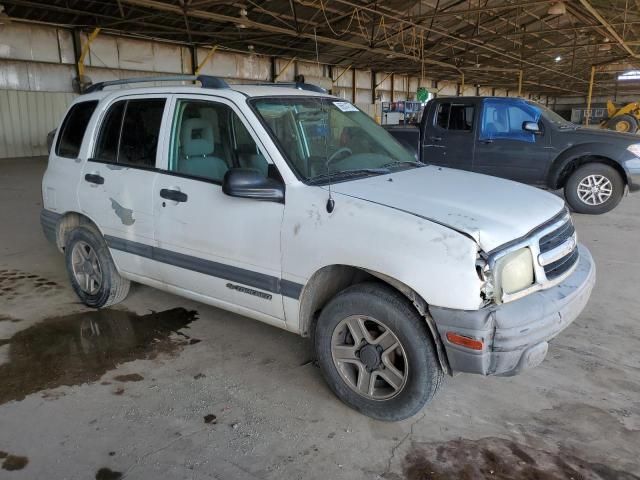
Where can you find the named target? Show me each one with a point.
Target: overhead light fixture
(4, 18)
(630, 75)
(557, 9)
(558, 58)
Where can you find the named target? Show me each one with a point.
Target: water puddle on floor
(500, 459)
(80, 348)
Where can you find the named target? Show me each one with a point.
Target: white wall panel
(363, 95)
(168, 58)
(26, 118)
(345, 80)
(363, 79)
(20, 75)
(135, 55)
(311, 69)
(65, 42)
(103, 51)
(288, 74)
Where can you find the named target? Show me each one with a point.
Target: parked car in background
(521, 140)
(295, 208)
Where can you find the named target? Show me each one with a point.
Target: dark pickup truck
(524, 141)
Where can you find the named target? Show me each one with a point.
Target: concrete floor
(136, 403)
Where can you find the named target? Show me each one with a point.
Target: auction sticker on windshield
(345, 107)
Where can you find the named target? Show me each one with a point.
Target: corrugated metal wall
(26, 118)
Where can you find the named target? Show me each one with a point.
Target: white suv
(293, 207)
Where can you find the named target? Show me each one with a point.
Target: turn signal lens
(466, 342)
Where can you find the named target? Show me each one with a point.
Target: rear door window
(73, 128)
(130, 131)
(452, 116)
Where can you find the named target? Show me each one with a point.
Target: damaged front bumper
(515, 335)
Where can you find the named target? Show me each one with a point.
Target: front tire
(376, 353)
(91, 270)
(594, 188)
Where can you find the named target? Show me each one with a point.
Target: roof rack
(298, 83)
(207, 81)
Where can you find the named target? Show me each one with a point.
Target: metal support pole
(588, 112)
(85, 50)
(194, 58)
(462, 84)
(353, 85)
(392, 86)
(520, 83)
(373, 86)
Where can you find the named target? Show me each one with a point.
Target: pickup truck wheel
(594, 188)
(376, 353)
(93, 274)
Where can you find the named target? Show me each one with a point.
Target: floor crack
(399, 444)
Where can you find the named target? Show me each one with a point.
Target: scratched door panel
(122, 208)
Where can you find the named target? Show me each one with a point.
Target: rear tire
(376, 352)
(623, 124)
(91, 270)
(594, 188)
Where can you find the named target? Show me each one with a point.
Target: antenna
(331, 204)
(325, 128)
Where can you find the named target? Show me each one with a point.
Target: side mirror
(532, 127)
(250, 183)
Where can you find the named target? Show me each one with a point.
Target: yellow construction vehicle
(624, 119)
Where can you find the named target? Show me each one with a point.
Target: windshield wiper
(403, 162)
(347, 174)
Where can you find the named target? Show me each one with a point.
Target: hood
(584, 135)
(491, 210)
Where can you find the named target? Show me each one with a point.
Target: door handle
(487, 141)
(435, 139)
(175, 195)
(94, 178)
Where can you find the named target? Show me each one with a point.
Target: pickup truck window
(503, 119)
(319, 136)
(451, 116)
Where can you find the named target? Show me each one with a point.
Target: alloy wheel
(369, 357)
(595, 189)
(86, 268)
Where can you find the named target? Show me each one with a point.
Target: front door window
(503, 119)
(208, 139)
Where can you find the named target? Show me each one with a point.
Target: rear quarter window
(73, 128)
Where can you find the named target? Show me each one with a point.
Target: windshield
(326, 139)
(553, 117)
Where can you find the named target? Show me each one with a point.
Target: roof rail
(299, 85)
(207, 81)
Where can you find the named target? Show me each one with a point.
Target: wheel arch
(67, 223)
(330, 280)
(563, 168)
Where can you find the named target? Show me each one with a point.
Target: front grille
(553, 240)
(557, 237)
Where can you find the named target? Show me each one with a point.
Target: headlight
(635, 149)
(514, 272)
